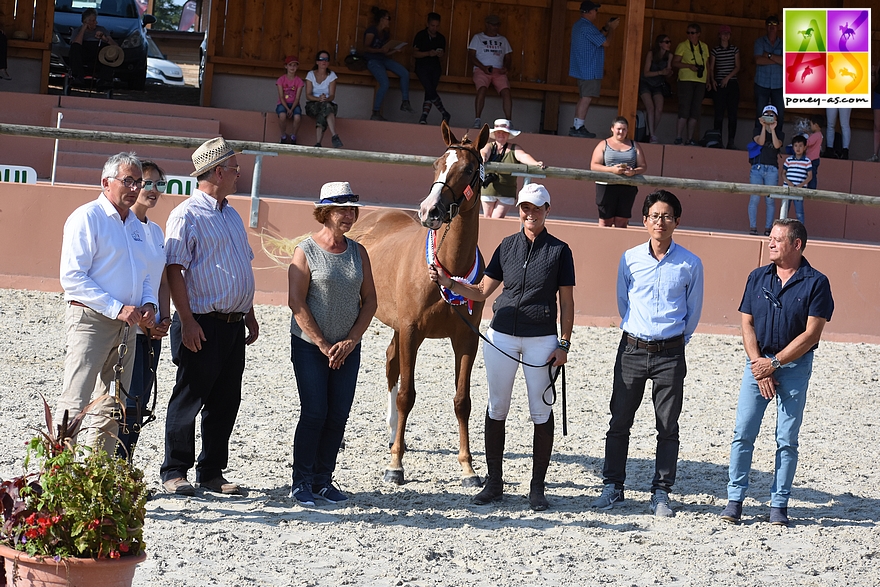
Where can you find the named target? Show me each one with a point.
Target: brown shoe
(221, 485)
(179, 486)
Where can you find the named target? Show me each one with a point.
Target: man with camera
(690, 61)
(587, 62)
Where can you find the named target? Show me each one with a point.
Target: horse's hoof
(473, 481)
(392, 476)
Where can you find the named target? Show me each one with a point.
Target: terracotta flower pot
(26, 571)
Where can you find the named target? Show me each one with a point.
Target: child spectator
(798, 171)
(814, 146)
(290, 89)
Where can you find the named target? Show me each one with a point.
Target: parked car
(159, 69)
(122, 20)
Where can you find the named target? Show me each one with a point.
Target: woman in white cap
(499, 189)
(537, 270)
(333, 300)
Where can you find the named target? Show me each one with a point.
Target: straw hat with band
(337, 193)
(503, 124)
(111, 56)
(210, 154)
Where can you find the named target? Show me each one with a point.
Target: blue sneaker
(330, 494)
(303, 494)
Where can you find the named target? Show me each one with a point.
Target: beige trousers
(92, 352)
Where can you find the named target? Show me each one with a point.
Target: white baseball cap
(533, 193)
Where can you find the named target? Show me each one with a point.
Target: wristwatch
(774, 362)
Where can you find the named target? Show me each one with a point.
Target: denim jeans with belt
(325, 396)
(377, 67)
(762, 175)
(791, 397)
(634, 366)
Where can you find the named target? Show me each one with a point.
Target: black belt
(655, 346)
(228, 318)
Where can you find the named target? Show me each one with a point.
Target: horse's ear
(448, 137)
(483, 138)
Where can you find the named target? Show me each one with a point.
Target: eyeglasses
(235, 168)
(693, 32)
(770, 297)
(130, 182)
(159, 186)
(656, 218)
(341, 199)
(773, 23)
(323, 59)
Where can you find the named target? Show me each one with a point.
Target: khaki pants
(92, 343)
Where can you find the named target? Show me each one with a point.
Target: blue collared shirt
(209, 240)
(768, 76)
(781, 316)
(662, 299)
(587, 58)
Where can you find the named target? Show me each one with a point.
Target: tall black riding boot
(494, 487)
(542, 449)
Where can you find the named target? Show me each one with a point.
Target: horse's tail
(280, 249)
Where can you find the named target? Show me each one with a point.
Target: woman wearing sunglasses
(320, 93)
(149, 341)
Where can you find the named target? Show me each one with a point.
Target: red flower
(123, 546)
(114, 554)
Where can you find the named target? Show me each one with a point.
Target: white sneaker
(611, 495)
(660, 504)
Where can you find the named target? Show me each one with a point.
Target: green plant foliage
(167, 15)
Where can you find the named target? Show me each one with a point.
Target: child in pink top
(290, 89)
(814, 145)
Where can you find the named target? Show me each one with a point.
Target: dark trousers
(634, 366)
(429, 76)
(727, 100)
(139, 392)
(764, 96)
(325, 397)
(3, 50)
(209, 382)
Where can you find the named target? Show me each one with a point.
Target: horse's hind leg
(465, 347)
(392, 373)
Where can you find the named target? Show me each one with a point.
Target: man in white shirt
(107, 289)
(490, 54)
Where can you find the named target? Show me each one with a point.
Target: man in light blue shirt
(587, 61)
(659, 297)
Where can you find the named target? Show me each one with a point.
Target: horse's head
(457, 179)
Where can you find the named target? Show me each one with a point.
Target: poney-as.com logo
(827, 57)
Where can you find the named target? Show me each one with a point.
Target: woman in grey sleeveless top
(333, 300)
(621, 156)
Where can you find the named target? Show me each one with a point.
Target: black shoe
(537, 500)
(766, 232)
(492, 491)
(447, 117)
(844, 154)
(779, 516)
(405, 106)
(423, 119)
(377, 116)
(337, 142)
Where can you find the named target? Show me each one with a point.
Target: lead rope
(118, 412)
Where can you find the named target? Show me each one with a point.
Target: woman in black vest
(536, 269)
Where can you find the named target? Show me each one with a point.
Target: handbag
(356, 62)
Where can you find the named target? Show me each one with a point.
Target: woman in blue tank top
(621, 156)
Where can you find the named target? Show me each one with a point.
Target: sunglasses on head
(159, 185)
(342, 199)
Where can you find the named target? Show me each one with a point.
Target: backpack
(711, 139)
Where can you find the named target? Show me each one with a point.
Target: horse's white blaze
(392, 413)
(437, 189)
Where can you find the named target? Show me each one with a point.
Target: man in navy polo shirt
(784, 309)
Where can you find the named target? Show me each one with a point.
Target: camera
(490, 178)
(700, 70)
(490, 69)
(768, 118)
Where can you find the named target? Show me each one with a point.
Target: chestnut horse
(411, 304)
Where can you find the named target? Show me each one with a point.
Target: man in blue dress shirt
(784, 310)
(587, 62)
(659, 297)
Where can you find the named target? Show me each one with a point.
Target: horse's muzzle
(434, 219)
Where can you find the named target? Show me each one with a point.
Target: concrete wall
(32, 218)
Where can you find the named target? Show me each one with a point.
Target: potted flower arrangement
(81, 511)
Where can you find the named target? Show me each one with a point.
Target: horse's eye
(469, 170)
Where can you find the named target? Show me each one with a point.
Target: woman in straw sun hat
(333, 299)
(499, 189)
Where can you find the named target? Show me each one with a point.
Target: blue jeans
(762, 175)
(791, 397)
(632, 369)
(138, 400)
(377, 67)
(764, 96)
(325, 397)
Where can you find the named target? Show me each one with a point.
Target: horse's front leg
(465, 347)
(408, 345)
(392, 374)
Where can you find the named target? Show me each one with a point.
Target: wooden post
(556, 64)
(631, 65)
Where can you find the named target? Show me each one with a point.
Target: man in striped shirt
(798, 171)
(212, 285)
